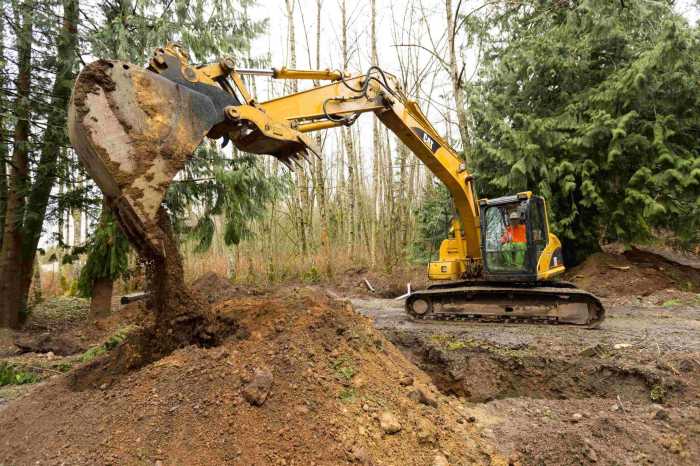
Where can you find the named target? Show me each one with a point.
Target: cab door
(536, 230)
(507, 257)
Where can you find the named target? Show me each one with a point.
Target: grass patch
(347, 395)
(311, 276)
(456, 345)
(672, 303)
(61, 309)
(657, 394)
(12, 375)
(344, 368)
(441, 339)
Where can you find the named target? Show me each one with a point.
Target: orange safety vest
(515, 234)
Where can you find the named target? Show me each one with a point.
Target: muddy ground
(627, 393)
(624, 394)
(340, 357)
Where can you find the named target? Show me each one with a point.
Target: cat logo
(427, 139)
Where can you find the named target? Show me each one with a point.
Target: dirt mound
(214, 288)
(304, 380)
(636, 272)
(361, 282)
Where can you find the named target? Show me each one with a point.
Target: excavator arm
(135, 128)
(341, 102)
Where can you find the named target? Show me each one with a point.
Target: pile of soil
(304, 380)
(634, 273)
(353, 282)
(213, 287)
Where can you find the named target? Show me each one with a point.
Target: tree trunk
(376, 146)
(101, 292)
(319, 173)
(101, 303)
(301, 206)
(4, 152)
(15, 272)
(25, 215)
(348, 143)
(77, 215)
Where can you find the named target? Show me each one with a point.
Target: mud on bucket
(133, 131)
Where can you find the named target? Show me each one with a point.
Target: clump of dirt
(636, 272)
(92, 78)
(305, 380)
(356, 282)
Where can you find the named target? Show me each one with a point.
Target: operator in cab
(514, 241)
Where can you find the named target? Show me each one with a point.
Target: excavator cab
(516, 243)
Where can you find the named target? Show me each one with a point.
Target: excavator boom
(134, 129)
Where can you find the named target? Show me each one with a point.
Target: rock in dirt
(422, 394)
(47, 343)
(576, 417)
(662, 415)
(359, 455)
(257, 390)
(406, 381)
(425, 431)
(389, 423)
(440, 460)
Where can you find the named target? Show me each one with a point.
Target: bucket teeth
(296, 162)
(310, 145)
(286, 163)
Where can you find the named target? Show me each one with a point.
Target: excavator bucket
(135, 128)
(133, 131)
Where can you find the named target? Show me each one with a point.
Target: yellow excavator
(134, 129)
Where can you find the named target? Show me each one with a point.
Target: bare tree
(348, 142)
(456, 76)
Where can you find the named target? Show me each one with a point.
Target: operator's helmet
(514, 217)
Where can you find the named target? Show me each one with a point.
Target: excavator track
(554, 303)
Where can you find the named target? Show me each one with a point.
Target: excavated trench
(481, 372)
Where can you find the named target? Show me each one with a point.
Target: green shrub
(347, 395)
(11, 375)
(657, 394)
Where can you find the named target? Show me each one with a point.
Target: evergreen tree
(595, 105)
(433, 218)
(43, 68)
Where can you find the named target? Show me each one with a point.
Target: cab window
(505, 237)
